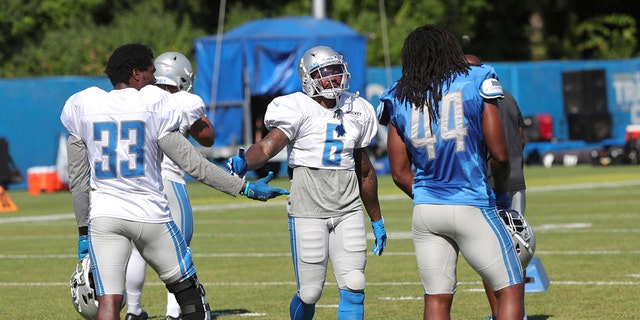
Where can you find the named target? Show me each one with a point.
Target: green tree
(81, 45)
(74, 37)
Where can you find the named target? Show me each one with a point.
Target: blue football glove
(503, 201)
(83, 246)
(237, 165)
(261, 190)
(381, 237)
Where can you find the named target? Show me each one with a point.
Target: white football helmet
(174, 69)
(521, 233)
(83, 293)
(320, 63)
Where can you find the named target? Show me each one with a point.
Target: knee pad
(351, 306)
(355, 281)
(191, 298)
(299, 310)
(310, 295)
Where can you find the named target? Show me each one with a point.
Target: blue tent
(260, 58)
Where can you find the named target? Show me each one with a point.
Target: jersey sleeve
(489, 87)
(192, 106)
(283, 113)
(170, 117)
(369, 125)
(382, 110)
(68, 116)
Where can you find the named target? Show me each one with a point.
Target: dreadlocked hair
(431, 59)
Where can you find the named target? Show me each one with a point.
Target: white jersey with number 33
(121, 129)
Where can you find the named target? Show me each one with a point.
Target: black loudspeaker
(585, 92)
(591, 127)
(585, 105)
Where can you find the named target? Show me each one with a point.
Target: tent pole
(246, 108)
(319, 11)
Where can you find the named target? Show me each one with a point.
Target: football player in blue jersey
(443, 119)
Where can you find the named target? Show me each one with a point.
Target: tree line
(75, 37)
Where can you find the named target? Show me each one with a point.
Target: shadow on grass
(538, 317)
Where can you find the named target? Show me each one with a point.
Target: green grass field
(586, 220)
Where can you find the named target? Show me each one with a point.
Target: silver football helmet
(174, 69)
(521, 233)
(83, 293)
(320, 63)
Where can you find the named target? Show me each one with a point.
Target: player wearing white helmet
(173, 74)
(326, 131)
(116, 142)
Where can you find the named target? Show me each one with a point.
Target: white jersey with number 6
(322, 138)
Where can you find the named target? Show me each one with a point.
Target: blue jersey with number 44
(448, 153)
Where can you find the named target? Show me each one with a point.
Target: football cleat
(142, 316)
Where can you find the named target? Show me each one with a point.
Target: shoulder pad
(491, 89)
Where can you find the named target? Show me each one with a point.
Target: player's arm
(399, 161)
(79, 173)
(368, 181)
(260, 152)
(202, 131)
(497, 145)
(183, 153)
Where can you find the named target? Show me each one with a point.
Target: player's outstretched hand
(380, 235)
(261, 190)
(237, 164)
(83, 246)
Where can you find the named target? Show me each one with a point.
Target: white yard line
(277, 203)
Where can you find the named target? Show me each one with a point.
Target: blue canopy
(260, 58)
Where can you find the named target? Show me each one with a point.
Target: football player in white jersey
(115, 148)
(325, 130)
(175, 75)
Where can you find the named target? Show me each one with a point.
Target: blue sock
(351, 306)
(299, 310)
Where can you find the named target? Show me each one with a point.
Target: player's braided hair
(431, 58)
(126, 58)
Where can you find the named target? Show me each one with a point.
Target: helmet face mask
(524, 240)
(174, 69)
(319, 67)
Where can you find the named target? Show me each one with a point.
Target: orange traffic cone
(6, 205)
